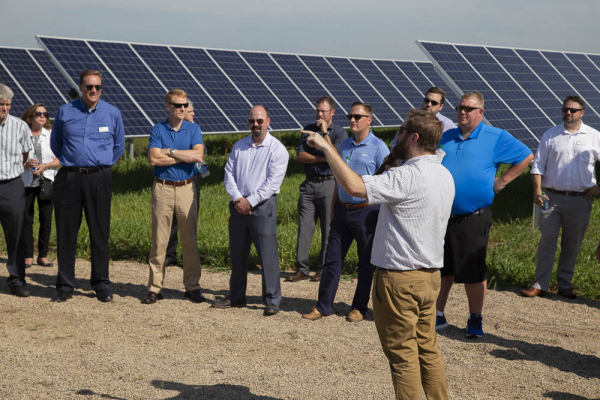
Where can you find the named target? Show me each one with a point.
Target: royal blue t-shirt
(163, 136)
(474, 162)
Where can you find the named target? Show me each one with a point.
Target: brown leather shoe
(298, 276)
(151, 298)
(567, 293)
(354, 316)
(316, 277)
(532, 292)
(313, 315)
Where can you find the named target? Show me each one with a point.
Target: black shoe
(271, 309)
(195, 295)
(19, 291)
(226, 303)
(104, 296)
(47, 265)
(62, 296)
(151, 298)
(170, 262)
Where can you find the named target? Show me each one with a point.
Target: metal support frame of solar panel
(225, 83)
(523, 88)
(33, 79)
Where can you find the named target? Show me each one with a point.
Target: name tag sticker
(579, 142)
(103, 129)
(364, 155)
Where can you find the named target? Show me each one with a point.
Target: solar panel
(29, 80)
(253, 88)
(75, 56)
(223, 84)
(523, 89)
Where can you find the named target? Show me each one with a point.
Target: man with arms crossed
(316, 191)
(564, 168)
(353, 219)
(171, 258)
(474, 151)
(253, 176)
(88, 138)
(15, 144)
(174, 147)
(407, 252)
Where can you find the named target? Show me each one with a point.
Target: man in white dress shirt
(253, 176)
(408, 251)
(564, 168)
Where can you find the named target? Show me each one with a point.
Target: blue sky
(378, 29)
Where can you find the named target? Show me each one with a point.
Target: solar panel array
(225, 83)
(523, 89)
(33, 79)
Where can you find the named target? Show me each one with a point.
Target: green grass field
(511, 251)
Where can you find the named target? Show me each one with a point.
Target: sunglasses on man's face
(90, 87)
(179, 105)
(433, 102)
(467, 109)
(259, 121)
(356, 117)
(572, 110)
(41, 114)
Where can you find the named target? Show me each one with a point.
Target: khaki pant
(181, 200)
(404, 313)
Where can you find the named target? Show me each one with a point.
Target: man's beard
(399, 150)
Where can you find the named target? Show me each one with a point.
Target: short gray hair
(5, 92)
(190, 103)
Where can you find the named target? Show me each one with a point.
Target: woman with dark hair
(40, 165)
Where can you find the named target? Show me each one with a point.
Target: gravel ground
(532, 348)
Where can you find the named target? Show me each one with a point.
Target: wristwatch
(326, 133)
(171, 152)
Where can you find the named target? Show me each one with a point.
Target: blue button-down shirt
(163, 136)
(87, 138)
(363, 158)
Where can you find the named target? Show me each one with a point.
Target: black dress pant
(45, 218)
(74, 193)
(12, 210)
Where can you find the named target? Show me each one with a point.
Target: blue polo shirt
(364, 159)
(87, 138)
(474, 162)
(163, 136)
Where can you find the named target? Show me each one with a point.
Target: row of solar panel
(523, 89)
(223, 84)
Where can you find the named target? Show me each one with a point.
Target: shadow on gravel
(584, 365)
(220, 391)
(566, 396)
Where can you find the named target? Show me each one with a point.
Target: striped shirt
(14, 141)
(416, 201)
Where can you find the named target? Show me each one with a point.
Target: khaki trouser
(167, 200)
(404, 313)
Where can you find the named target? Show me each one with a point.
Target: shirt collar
(365, 141)
(183, 127)
(80, 106)
(473, 135)
(265, 141)
(582, 129)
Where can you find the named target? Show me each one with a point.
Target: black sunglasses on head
(179, 105)
(573, 110)
(433, 102)
(356, 117)
(90, 87)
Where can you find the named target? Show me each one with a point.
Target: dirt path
(532, 348)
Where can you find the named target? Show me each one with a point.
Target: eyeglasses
(259, 121)
(41, 114)
(90, 87)
(323, 111)
(356, 117)
(433, 102)
(467, 109)
(573, 110)
(179, 105)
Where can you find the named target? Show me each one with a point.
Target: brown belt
(565, 192)
(351, 207)
(173, 183)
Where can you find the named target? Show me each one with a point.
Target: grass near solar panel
(511, 251)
